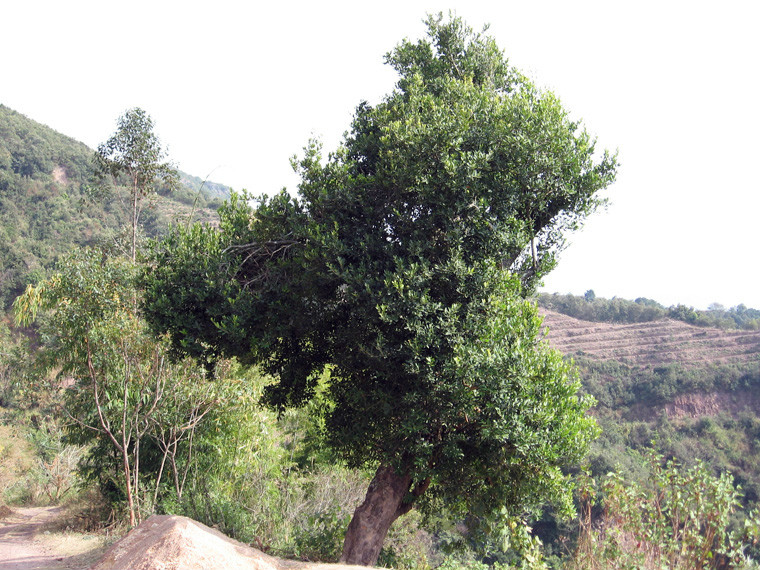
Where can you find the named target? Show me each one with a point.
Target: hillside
(44, 206)
(689, 391)
(651, 344)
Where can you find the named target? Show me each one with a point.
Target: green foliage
(680, 520)
(520, 550)
(619, 386)
(321, 538)
(125, 393)
(632, 410)
(597, 309)
(133, 155)
(31, 151)
(244, 477)
(14, 366)
(130, 163)
(41, 174)
(673, 408)
(390, 268)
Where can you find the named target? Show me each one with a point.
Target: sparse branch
(254, 266)
(266, 249)
(94, 377)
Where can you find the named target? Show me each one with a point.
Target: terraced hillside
(690, 392)
(651, 344)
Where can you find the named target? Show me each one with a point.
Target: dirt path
(25, 544)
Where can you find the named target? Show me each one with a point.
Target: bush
(679, 521)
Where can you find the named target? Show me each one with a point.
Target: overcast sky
(236, 88)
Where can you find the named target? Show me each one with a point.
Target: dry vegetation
(16, 458)
(650, 344)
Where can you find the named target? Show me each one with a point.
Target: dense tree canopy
(402, 266)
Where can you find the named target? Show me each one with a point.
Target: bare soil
(159, 543)
(28, 541)
(164, 542)
(59, 175)
(655, 343)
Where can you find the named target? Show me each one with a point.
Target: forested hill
(44, 208)
(616, 310)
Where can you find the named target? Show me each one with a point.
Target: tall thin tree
(135, 163)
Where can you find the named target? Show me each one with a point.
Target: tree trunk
(372, 519)
(135, 191)
(128, 478)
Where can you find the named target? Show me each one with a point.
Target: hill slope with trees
(46, 208)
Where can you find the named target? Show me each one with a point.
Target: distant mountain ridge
(44, 206)
(209, 189)
(616, 310)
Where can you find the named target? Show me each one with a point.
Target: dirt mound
(173, 543)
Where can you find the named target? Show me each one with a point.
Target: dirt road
(25, 544)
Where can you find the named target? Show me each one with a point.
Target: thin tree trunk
(159, 476)
(122, 447)
(130, 496)
(126, 439)
(125, 458)
(136, 484)
(372, 519)
(187, 464)
(135, 190)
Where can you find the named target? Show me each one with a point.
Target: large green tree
(403, 266)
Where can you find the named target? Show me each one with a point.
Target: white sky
(236, 88)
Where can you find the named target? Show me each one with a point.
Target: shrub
(680, 522)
